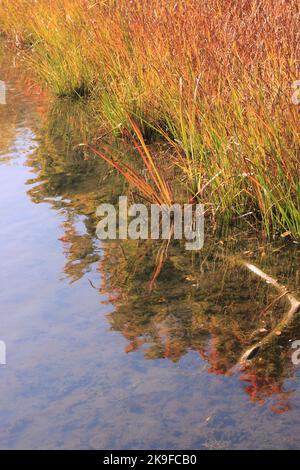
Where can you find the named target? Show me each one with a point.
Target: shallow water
(95, 359)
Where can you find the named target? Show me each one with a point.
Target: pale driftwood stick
(286, 320)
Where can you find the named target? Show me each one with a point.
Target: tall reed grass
(213, 77)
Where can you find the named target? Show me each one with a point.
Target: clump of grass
(158, 190)
(58, 38)
(217, 73)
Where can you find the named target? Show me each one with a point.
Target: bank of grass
(213, 77)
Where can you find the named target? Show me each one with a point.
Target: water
(95, 359)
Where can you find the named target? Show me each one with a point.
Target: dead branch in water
(287, 319)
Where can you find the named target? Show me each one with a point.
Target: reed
(212, 77)
(158, 190)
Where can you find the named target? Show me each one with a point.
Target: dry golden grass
(213, 76)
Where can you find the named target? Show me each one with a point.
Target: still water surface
(95, 359)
